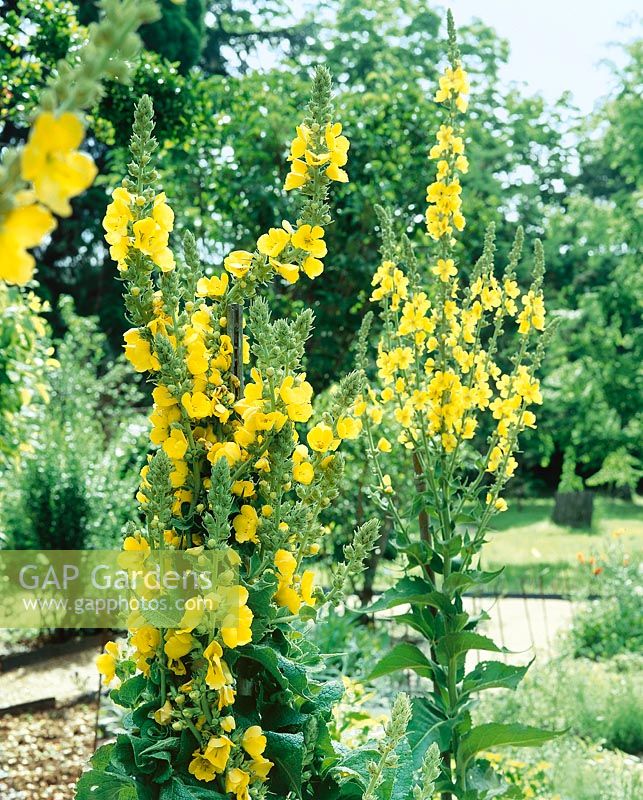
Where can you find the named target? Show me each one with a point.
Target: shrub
(74, 485)
(613, 623)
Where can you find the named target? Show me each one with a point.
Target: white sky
(557, 45)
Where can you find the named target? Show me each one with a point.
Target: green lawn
(542, 556)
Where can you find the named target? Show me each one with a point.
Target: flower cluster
(317, 147)
(39, 179)
(439, 359)
(231, 473)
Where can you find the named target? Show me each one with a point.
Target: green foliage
(597, 702)
(73, 485)
(612, 623)
(619, 470)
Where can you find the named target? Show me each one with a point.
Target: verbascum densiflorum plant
(230, 708)
(457, 360)
(39, 178)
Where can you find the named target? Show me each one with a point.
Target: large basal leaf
(98, 785)
(452, 644)
(493, 675)
(412, 591)
(495, 734)
(403, 656)
(426, 726)
(286, 750)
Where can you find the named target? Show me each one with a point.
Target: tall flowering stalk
(38, 179)
(229, 710)
(457, 362)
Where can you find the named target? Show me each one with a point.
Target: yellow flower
(218, 752)
(384, 445)
(312, 266)
(238, 263)
(215, 286)
(338, 152)
(139, 352)
(273, 242)
(260, 767)
(445, 269)
(289, 272)
(152, 240)
(178, 644)
(201, 767)
(254, 742)
(348, 427)
(163, 715)
(197, 404)
(176, 444)
(236, 626)
(51, 161)
(297, 176)
(236, 782)
(303, 473)
(321, 438)
(297, 398)
(218, 674)
(22, 228)
(245, 525)
(106, 662)
(118, 216)
(310, 239)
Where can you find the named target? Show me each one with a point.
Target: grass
(541, 556)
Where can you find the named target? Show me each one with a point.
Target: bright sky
(558, 44)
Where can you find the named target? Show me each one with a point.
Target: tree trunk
(574, 509)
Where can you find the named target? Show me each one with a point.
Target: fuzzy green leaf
(426, 726)
(493, 675)
(415, 591)
(495, 734)
(99, 785)
(286, 750)
(453, 644)
(403, 656)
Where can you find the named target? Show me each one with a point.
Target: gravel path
(43, 754)
(64, 677)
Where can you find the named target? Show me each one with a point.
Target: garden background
(228, 80)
